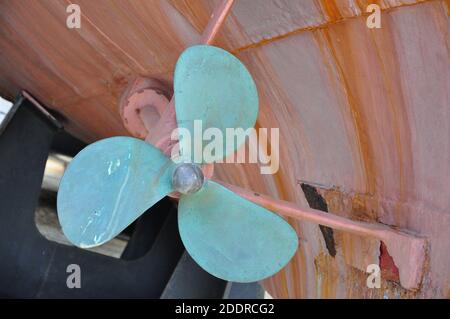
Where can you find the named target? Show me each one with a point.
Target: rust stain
(387, 58)
(327, 274)
(356, 107)
(356, 283)
(318, 26)
(389, 270)
(331, 10)
(279, 37)
(356, 206)
(281, 279)
(278, 177)
(277, 284)
(362, 4)
(299, 277)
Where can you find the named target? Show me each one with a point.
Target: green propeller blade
(214, 87)
(108, 185)
(233, 238)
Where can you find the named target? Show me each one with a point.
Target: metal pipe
(216, 21)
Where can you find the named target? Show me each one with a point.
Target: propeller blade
(213, 86)
(108, 185)
(232, 238)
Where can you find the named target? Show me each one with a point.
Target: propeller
(110, 183)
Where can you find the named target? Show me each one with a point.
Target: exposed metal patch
(316, 201)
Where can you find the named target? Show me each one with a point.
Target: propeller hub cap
(187, 178)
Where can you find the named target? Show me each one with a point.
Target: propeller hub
(187, 178)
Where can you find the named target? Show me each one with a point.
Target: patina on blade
(108, 185)
(214, 87)
(232, 238)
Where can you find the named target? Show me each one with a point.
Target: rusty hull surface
(363, 114)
